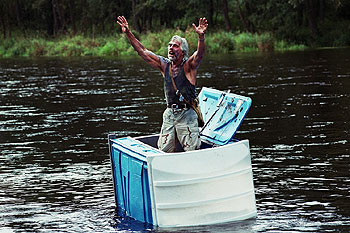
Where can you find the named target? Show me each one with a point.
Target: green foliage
(109, 49)
(283, 45)
(221, 42)
(216, 43)
(68, 48)
(64, 20)
(13, 48)
(264, 38)
(339, 35)
(246, 42)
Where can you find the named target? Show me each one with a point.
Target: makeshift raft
(207, 186)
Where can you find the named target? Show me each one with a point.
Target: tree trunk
(3, 24)
(62, 17)
(71, 14)
(83, 27)
(249, 11)
(55, 20)
(239, 9)
(135, 16)
(211, 12)
(227, 19)
(9, 20)
(149, 21)
(300, 15)
(58, 15)
(18, 15)
(311, 17)
(321, 10)
(144, 20)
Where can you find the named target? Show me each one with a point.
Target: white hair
(183, 44)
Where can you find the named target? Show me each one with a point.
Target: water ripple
(55, 116)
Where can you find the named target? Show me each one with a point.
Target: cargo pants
(179, 125)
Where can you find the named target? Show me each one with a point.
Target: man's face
(174, 51)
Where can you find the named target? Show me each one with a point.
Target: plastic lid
(223, 113)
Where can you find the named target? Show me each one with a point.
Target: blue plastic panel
(130, 177)
(223, 113)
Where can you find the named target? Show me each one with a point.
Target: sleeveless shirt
(187, 90)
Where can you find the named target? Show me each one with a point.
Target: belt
(178, 106)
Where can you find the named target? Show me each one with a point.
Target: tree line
(324, 22)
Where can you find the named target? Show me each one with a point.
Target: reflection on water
(55, 115)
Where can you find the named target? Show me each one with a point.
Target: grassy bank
(216, 43)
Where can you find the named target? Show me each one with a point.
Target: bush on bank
(118, 45)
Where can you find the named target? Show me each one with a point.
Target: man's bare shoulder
(193, 61)
(164, 60)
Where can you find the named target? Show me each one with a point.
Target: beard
(172, 58)
(174, 55)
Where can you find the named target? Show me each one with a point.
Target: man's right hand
(123, 23)
(146, 55)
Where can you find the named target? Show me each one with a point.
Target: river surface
(56, 114)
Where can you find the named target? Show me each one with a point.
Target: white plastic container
(207, 186)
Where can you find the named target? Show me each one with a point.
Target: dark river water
(56, 114)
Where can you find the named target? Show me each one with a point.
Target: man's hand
(123, 23)
(202, 27)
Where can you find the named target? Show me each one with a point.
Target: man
(180, 122)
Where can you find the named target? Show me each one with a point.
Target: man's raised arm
(196, 58)
(147, 55)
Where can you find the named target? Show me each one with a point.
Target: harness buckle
(177, 108)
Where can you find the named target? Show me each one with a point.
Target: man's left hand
(202, 27)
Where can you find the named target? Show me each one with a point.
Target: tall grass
(118, 45)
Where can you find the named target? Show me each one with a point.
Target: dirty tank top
(187, 90)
